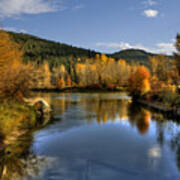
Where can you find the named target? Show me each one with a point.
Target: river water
(99, 136)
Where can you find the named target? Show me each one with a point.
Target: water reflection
(17, 160)
(139, 117)
(175, 145)
(99, 135)
(106, 110)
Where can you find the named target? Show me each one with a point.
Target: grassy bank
(16, 116)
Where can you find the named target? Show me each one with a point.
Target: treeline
(98, 72)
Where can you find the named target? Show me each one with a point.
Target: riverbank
(83, 89)
(171, 111)
(15, 115)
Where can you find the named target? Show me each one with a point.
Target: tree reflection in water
(105, 109)
(16, 159)
(140, 117)
(113, 110)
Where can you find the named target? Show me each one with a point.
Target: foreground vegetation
(16, 116)
(15, 80)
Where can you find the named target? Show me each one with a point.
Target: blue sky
(102, 25)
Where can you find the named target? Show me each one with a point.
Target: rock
(43, 109)
(39, 104)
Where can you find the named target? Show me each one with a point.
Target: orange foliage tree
(139, 81)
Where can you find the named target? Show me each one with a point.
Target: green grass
(16, 116)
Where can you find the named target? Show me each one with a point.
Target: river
(96, 136)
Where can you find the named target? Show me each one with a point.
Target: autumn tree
(16, 78)
(45, 80)
(139, 81)
(101, 61)
(58, 73)
(159, 66)
(61, 83)
(80, 72)
(122, 70)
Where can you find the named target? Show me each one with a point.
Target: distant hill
(138, 55)
(133, 55)
(38, 49)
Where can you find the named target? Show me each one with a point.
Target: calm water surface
(99, 136)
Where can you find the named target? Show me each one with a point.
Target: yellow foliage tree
(16, 78)
(61, 83)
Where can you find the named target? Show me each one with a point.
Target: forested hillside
(37, 49)
(133, 54)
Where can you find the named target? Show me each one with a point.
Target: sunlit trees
(61, 83)
(16, 78)
(103, 71)
(101, 61)
(58, 73)
(164, 77)
(122, 71)
(80, 72)
(139, 81)
(160, 66)
(45, 76)
(9, 52)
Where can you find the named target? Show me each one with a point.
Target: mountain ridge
(40, 49)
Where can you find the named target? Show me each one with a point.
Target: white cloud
(121, 45)
(150, 13)
(166, 48)
(11, 8)
(150, 2)
(160, 48)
